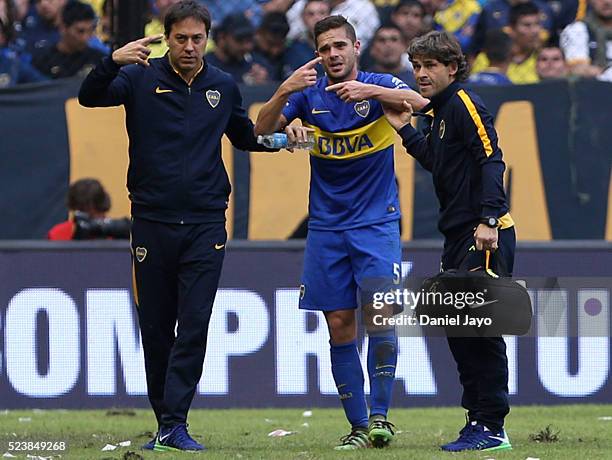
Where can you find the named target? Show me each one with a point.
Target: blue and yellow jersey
(459, 18)
(352, 180)
(519, 73)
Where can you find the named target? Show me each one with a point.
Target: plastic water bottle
(281, 141)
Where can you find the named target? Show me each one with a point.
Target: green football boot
(357, 439)
(380, 431)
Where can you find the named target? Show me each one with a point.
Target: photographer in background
(88, 204)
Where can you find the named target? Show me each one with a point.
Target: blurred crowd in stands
(263, 41)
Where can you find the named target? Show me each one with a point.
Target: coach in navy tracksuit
(460, 149)
(177, 110)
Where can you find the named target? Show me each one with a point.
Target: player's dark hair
(85, 194)
(334, 22)
(76, 11)
(183, 10)
(522, 9)
(498, 47)
(444, 48)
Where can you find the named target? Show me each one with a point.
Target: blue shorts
(340, 267)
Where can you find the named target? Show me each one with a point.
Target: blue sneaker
(151, 444)
(462, 435)
(176, 438)
(476, 436)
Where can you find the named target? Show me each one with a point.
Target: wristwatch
(490, 221)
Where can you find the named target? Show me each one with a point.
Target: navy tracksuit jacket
(176, 173)
(179, 191)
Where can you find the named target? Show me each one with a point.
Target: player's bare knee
(342, 326)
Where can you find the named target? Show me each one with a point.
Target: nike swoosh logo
(316, 112)
(386, 365)
(498, 438)
(478, 305)
(158, 90)
(219, 246)
(163, 438)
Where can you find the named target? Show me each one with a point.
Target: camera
(88, 228)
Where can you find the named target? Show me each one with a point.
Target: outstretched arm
(414, 142)
(239, 129)
(354, 91)
(270, 117)
(241, 132)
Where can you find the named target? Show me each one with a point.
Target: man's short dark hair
(552, 44)
(498, 46)
(87, 194)
(235, 25)
(183, 10)
(522, 9)
(409, 3)
(275, 23)
(390, 25)
(334, 22)
(443, 47)
(76, 11)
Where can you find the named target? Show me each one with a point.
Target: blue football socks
(348, 375)
(382, 360)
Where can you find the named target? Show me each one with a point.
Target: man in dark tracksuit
(460, 149)
(177, 109)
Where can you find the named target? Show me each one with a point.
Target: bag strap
(490, 272)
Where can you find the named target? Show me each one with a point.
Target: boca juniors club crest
(213, 97)
(362, 108)
(140, 253)
(442, 129)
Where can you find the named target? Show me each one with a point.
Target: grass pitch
(563, 432)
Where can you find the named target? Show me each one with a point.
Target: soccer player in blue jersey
(353, 236)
